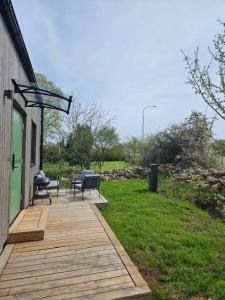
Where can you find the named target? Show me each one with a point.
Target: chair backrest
(85, 173)
(91, 182)
(40, 177)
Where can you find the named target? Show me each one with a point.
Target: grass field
(179, 248)
(111, 165)
(60, 170)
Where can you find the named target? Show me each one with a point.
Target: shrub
(56, 171)
(187, 141)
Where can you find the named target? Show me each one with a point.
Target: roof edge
(9, 16)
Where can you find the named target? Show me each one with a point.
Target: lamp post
(143, 119)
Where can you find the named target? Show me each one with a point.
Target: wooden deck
(66, 197)
(79, 258)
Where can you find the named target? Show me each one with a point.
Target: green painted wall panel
(16, 173)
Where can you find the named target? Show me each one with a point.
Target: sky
(123, 54)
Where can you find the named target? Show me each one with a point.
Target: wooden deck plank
(35, 255)
(59, 279)
(63, 240)
(60, 249)
(54, 262)
(78, 259)
(59, 244)
(60, 267)
(93, 291)
(58, 256)
(71, 290)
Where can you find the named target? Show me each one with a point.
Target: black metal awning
(35, 95)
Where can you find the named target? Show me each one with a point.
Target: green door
(17, 161)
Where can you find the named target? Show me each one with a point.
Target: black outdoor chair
(40, 188)
(90, 182)
(53, 184)
(42, 185)
(81, 177)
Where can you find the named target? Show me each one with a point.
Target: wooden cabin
(19, 125)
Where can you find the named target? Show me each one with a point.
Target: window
(33, 143)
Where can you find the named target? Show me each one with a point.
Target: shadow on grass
(142, 191)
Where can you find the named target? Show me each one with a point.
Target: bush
(55, 171)
(190, 141)
(115, 153)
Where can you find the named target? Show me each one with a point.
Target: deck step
(29, 226)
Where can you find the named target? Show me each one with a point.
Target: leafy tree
(219, 147)
(188, 141)
(52, 118)
(133, 150)
(79, 146)
(116, 153)
(105, 138)
(209, 80)
(54, 153)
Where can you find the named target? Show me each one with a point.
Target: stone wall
(209, 180)
(202, 177)
(134, 173)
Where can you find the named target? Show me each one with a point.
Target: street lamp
(143, 119)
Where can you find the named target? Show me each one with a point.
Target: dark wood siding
(11, 67)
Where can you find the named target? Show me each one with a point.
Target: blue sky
(123, 54)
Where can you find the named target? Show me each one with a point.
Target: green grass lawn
(111, 165)
(60, 170)
(179, 248)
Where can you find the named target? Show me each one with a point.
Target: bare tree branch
(212, 91)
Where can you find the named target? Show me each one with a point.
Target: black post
(153, 178)
(42, 141)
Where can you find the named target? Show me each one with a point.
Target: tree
(79, 146)
(116, 153)
(133, 150)
(219, 147)
(105, 138)
(210, 85)
(189, 141)
(52, 118)
(54, 153)
(83, 114)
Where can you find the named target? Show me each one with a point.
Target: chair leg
(83, 195)
(49, 197)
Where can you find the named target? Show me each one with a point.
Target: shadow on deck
(79, 258)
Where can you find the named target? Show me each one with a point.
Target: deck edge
(128, 263)
(4, 256)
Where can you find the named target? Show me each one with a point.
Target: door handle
(13, 162)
